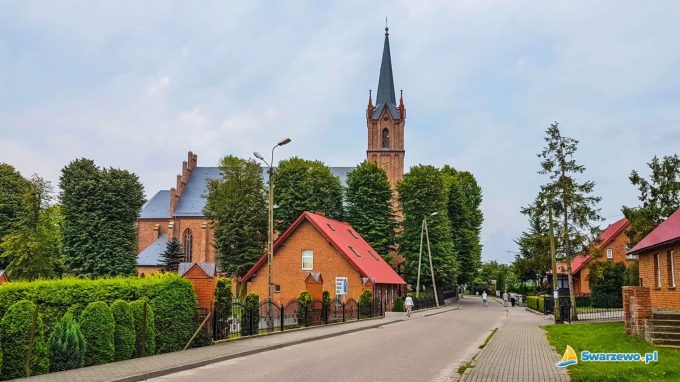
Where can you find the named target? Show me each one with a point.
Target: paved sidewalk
(148, 367)
(519, 351)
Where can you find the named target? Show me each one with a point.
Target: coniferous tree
(369, 207)
(422, 193)
(66, 345)
(172, 256)
(238, 205)
(533, 259)
(660, 197)
(100, 208)
(572, 201)
(301, 185)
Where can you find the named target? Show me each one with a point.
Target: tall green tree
(237, 203)
(301, 185)
(100, 208)
(369, 207)
(172, 256)
(533, 259)
(422, 192)
(572, 201)
(660, 197)
(33, 249)
(465, 216)
(12, 190)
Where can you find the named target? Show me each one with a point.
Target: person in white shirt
(505, 299)
(409, 305)
(484, 298)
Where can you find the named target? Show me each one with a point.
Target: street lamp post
(424, 230)
(270, 228)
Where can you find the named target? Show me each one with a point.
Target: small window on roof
(354, 235)
(354, 251)
(330, 226)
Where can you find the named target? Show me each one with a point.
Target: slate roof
(191, 202)
(664, 233)
(347, 241)
(385, 96)
(158, 207)
(151, 255)
(208, 268)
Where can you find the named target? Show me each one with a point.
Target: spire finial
(386, 28)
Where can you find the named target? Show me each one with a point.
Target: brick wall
(637, 309)
(287, 267)
(665, 297)
(203, 248)
(147, 232)
(204, 286)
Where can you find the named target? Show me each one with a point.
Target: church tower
(385, 122)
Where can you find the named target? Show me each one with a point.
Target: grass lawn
(611, 337)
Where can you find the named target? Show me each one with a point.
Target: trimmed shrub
(223, 297)
(325, 305)
(97, 325)
(66, 345)
(172, 297)
(16, 328)
(250, 316)
(145, 335)
(304, 312)
(365, 303)
(398, 305)
(536, 303)
(124, 334)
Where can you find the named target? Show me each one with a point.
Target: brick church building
(178, 212)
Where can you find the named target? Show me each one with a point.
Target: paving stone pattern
(519, 351)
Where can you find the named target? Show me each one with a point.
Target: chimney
(157, 230)
(174, 198)
(192, 160)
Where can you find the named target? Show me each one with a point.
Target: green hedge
(145, 335)
(536, 303)
(97, 325)
(171, 297)
(66, 345)
(15, 335)
(365, 303)
(124, 335)
(398, 305)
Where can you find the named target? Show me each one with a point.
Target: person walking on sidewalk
(409, 305)
(505, 299)
(484, 298)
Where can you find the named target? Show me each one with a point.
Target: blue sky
(138, 84)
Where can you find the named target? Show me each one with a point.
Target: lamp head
(258, 155)
(284, 142)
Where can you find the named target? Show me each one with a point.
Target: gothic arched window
(386, 138)
(188, 245)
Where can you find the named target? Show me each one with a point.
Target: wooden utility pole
(553, 259)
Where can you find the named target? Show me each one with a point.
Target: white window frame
(671, 276)
(658, 270)
(610, 253)
(307, 253)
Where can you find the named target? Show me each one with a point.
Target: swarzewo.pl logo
(569, 357)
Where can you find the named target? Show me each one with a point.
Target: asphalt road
(421, 349)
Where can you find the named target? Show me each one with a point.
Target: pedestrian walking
(484, 298)
(409, 305)
(505, 298)
(513, 298)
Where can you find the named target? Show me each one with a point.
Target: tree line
(237, 202)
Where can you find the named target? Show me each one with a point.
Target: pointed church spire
(386, 80)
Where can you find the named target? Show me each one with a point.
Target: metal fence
(241, 320)
(599, 307)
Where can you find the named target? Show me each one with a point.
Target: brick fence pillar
(637, 308)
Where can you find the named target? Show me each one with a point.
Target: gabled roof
(611, 232)
(158, 207)
(151, 255)
(209, 269)
(664, 233)
(578, 262)
(347, 242)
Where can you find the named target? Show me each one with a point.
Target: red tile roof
(665, 232)
(346, 241)
(611, 232)
(576, 264)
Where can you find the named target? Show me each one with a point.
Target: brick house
(317, 254)
(652, 309)
(611, 245)
(178, 212)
